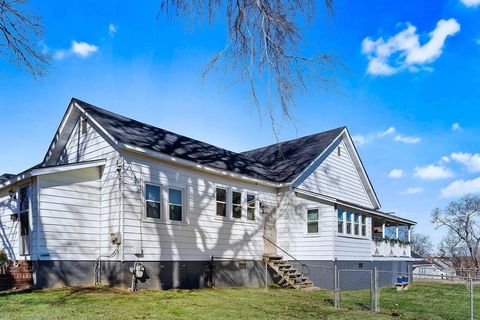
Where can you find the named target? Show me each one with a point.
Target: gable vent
(83, 126)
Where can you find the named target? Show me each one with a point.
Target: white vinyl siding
(202, 233)
(292, 234)
(337, 177)
(69, 221)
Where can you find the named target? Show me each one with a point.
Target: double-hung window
(175, 204)
(251, 206)
(152, 201)
(340, 221)
(364, 225)
(221, 199)
(312, 221)
(236, 204)
(356, 221)
(349, 222)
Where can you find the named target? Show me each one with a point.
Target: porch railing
(388, 249)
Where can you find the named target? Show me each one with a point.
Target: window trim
(152, 219)
(226, 201)
(342, 221)
(241, 205)
(313, 221)
(255, 205)
(182, 205)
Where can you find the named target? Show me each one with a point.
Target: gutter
(201, 167)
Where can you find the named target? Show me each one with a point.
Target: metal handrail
(288, 254)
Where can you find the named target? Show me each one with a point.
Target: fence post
(336, 293)
(470, 285)
(377, 292)
(266, 274)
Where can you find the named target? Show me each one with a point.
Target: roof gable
(340, 176)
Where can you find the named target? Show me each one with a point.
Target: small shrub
(3, 258)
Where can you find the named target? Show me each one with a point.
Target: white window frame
(226, 201)
(363, 224)
(160, 202)
(342, 212)
(255, 205)
(232, 205)
(356, 224)
(311, 221)
(28, 212)
(183, 194)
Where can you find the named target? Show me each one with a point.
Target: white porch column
(396, 232)
(383, 230)
(409, 234)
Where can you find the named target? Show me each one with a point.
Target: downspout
(335, 224)
(122, 213)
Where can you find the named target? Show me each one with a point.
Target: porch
(390, 238)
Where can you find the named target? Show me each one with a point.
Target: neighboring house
(434, 268)
(112, 191)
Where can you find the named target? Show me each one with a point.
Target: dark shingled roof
(280, 162)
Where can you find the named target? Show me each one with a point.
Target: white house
(112, 191)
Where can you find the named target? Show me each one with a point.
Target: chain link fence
(398, 293)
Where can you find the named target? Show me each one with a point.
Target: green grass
(423, 301)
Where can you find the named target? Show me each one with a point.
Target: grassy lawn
(422, 301)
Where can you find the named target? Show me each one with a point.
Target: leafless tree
(421, 244)
(20, 35)
(462, 220)
(263, 46)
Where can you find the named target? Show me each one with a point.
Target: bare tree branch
(263, 46)
(20, 34)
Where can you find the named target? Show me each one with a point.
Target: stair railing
(304, 268)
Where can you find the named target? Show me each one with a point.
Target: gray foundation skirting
(200, 274)
(158, 275)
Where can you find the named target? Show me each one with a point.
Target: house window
(175, 204)
(23, 207)
(349, 222)
(221, 199)
(356, 221)
(312, 221)
(251, 205)
(152, 201)
(236, 204)
(84, 126)
(364, 225)
(340, 221)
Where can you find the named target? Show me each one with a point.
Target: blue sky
(413, 72)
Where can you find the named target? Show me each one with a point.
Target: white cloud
(469, 160)
(456, 127)
(407, 139)
(444, 159)
(471, 3)
(432, 172)
(359, 140)
(460, 188)
(413, 191)
(112, 29)
(388, 132)
(403, 50)
(396, 173)
(81, 49)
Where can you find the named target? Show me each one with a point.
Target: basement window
(312, 221)
(152, 201)
(175, 204)
(236, 204)
(221, 199)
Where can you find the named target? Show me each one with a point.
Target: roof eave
(201, 167)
